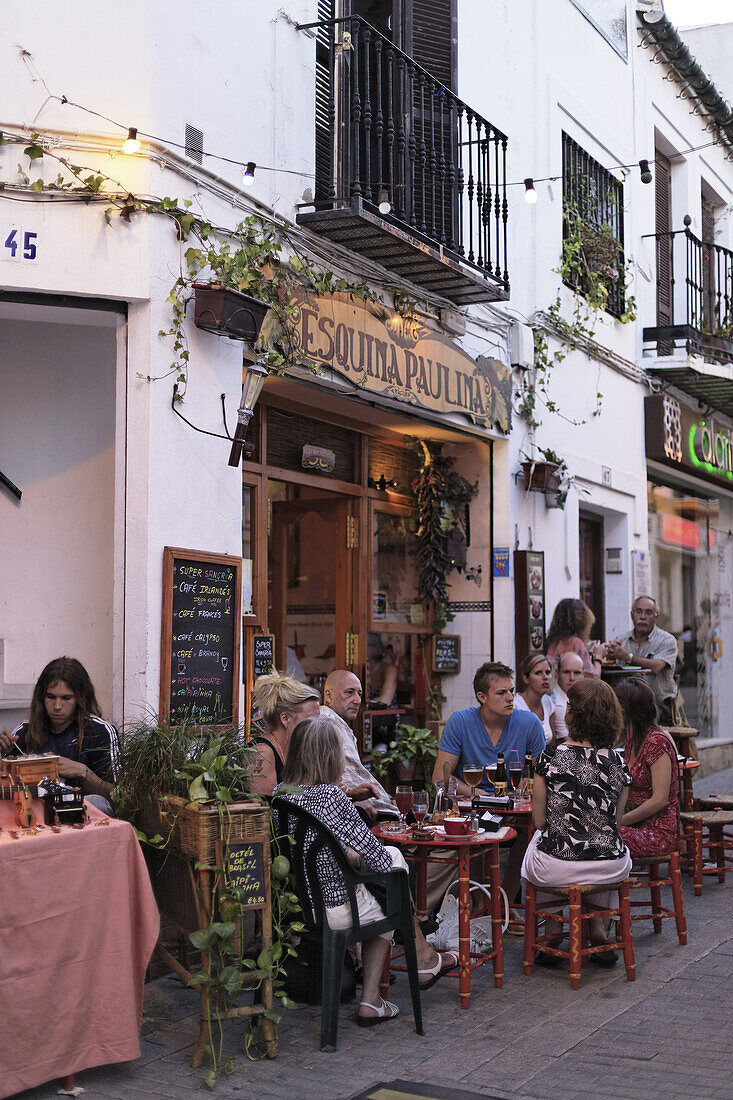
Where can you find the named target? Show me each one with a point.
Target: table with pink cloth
(78, 924)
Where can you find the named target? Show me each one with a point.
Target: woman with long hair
(315, 764)
(579, 797)
(282, 702)
(651, 824)
(572, 622)
(66, 719)
(535, 697)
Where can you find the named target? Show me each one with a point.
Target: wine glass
(491, 773)
(515, 770)
(473, 774)
(403, 798)
(420, 804)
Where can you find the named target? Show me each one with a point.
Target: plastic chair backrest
(311, 838)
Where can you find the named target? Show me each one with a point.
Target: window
(593, 229)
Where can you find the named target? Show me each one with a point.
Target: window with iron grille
(593, 229)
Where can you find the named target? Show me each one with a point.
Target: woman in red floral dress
(651, 824)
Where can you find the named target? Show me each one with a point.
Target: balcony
(407, 174)
(693, 337)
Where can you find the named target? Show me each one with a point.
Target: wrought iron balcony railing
(694, 297)
(422, 172)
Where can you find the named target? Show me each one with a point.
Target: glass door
(311, 582)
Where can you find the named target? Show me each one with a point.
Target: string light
(131, 144)
(646, 174)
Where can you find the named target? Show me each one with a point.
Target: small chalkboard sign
(245, 873)
(447, 653)
(199, 677)
(263, 654)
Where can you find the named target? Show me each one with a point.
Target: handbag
(445, 937)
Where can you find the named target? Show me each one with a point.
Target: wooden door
(591, 571)
(317, 535)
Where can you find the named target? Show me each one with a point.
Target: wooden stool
(716, 843)
(714, 802)
(645, 872)
(579, 950)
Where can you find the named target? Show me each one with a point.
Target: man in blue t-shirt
(479, 734)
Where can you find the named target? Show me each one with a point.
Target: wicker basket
(194, 827)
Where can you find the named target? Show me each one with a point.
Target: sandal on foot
(515, 926)
(436, 972)
(385, 1010)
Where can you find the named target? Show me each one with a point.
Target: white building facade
(446, 108)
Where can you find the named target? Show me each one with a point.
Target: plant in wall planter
(228, 312)
(547, 474)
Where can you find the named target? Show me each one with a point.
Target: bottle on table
(500, 779)
(528, 774)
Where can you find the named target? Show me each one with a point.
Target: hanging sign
(383, 352)
(678, 437)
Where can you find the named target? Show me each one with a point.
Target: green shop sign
(677, 437)
(710, 449)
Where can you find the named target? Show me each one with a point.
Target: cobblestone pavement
(668, 1034)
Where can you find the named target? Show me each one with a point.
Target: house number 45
(20, 244)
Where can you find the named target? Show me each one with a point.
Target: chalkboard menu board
(199, 678)
(263, 654)
(246, 873)
(529, 602)
(447, 653)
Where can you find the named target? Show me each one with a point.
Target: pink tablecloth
(78, 924)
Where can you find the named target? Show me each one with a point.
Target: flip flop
(605, 958)
(385, 1011)
(439, 970)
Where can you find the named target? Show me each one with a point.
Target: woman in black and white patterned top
(579, 797)
(315, 764)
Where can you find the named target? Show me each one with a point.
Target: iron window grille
(593, 208)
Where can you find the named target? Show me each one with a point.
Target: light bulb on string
(530, 195)
(248, 175)
(384, 204)
(131, 144)
(646, 172)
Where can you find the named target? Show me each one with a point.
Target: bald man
(569, 669)
(342, 698)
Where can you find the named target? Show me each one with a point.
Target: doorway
(591, 570)
(312, 582)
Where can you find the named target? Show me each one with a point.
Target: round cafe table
(421, 852)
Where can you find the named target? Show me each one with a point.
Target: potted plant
(410, 758)
(228, 312)
(186, 789)
(544, 474)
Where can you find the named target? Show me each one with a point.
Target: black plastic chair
(297, 822)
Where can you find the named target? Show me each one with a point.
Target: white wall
(57, 418)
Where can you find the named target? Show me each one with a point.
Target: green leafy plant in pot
(410, 758)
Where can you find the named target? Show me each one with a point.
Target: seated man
(479, 734)
(569, 669)
(342, 698)
(652, 648)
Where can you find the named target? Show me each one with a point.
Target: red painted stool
(646, 873)
(579, 913)
(716, 844)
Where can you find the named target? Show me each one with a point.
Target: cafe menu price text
(203, 638)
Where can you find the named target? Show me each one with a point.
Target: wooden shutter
(663, 225)
(431, 37)
(324, 103)
(709, 320)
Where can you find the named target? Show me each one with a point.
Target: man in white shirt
(342, 698)
(569, 669)
(652, 648)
